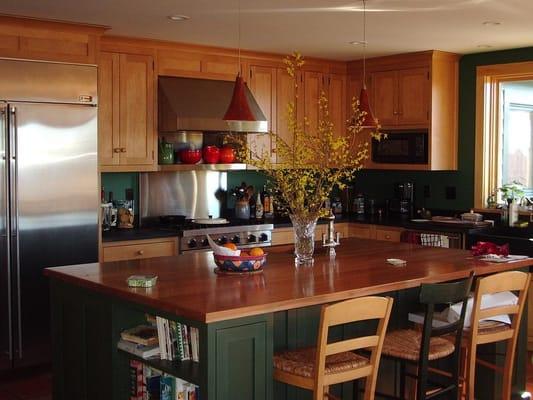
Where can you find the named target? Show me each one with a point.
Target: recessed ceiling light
(358, 42)
(484, 46)
(178, 17)
(491, 23)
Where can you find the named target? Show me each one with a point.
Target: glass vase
(304, 238)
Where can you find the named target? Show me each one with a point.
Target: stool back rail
(354, 310)
(432, 295)
(514, 281)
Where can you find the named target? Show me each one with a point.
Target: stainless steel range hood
(187, 104)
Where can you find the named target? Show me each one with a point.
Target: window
(504, 128)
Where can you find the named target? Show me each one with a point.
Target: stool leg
(402, 379)
(470, 378)
(356, 389)
(508, 371)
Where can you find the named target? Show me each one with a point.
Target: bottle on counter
(252, 203)
(258, 207)
(267, 203)
(359, 204)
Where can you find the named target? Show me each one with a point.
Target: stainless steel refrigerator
(48, 194)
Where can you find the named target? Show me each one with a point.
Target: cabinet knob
(140, 252)
(116, 150)
(387, 237)
(122, 149)
(395, 113)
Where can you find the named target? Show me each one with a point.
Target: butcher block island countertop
(188, 287)
(241, 319)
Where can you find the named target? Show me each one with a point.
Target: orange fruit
(231, 246)
(257, 252)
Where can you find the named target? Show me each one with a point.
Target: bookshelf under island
(240, 320)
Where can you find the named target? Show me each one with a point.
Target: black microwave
(401, 147)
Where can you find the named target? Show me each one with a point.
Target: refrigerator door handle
(13, 146)
(4, 113)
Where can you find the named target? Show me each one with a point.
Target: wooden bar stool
(482, 332)
(434, 342)
(331, 363)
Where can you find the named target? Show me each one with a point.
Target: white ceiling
(320, 28)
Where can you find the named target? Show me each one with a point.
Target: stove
(193, 236)
(244, 236)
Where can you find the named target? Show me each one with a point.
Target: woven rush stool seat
(302, 362)
(488, 327)
(405, 344)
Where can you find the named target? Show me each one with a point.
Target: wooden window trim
(488, 81)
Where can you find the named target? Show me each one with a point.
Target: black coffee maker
(404, 199)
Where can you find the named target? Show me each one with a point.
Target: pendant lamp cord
(239, 33)
(364, 43)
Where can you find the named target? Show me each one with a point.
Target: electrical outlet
(451, 193)
(427, 191)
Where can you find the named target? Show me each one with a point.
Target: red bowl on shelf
(211, 154)
(190, 156)
(227, 155)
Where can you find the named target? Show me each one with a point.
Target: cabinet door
(353, 90)
(108, 109)
(137, 133)
(262, 83)
(285, 94)
(413, 96)
(337, 103)
(313, 86)
(383, 97)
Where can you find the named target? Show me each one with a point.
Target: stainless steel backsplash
(195, 194)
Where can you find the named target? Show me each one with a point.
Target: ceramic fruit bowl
(240, 263)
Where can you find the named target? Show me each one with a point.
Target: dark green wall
(378, 184)
(118, 182)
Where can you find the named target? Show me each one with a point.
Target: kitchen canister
(166, 152)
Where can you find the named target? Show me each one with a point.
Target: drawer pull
(140, 252)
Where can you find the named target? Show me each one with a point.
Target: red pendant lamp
(369, 120)
(239, 109)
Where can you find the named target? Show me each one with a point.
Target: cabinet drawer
(360, 231)
(390, 235)
(139, 251)
(282, 236)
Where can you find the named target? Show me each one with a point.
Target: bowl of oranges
(251, 260)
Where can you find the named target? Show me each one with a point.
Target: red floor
(28, 385)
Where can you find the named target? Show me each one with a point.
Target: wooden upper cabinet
(417, 91)
(413, 96)
(313, 87)
(262, 82)
(337, 102)
(127, 133)
(400, 97)
(196, 65)
(108, 106)
(136, 88)
(50, 41)
(286, 94)
(384, 96)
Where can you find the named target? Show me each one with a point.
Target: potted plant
(311, 164)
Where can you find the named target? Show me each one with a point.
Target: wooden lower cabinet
(364, 231)
(138, 249)
(389, 234)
